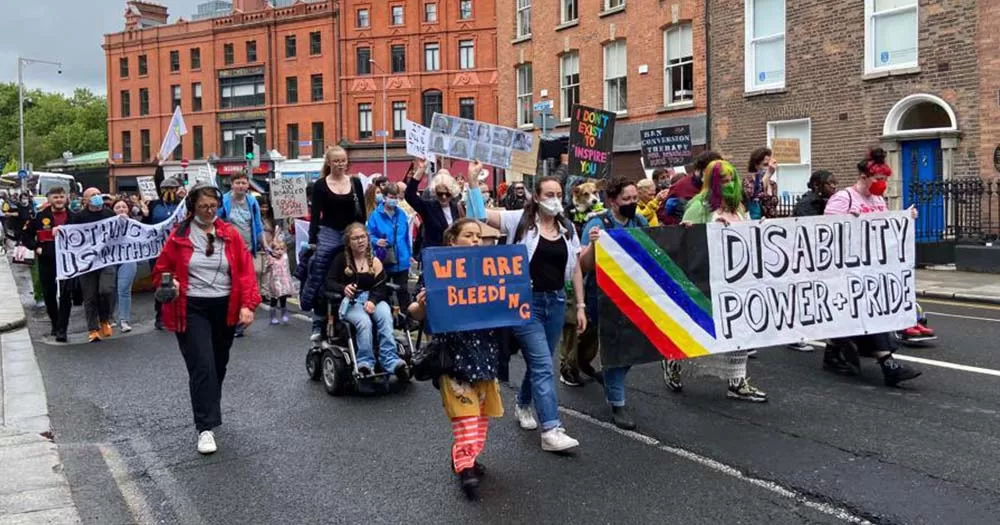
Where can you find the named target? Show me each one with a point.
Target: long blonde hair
(369, 254)
(328, 157)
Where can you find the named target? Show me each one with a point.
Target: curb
(960, 296)
(13, 325)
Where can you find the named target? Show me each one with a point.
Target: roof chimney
(141, 14)
(248, 6)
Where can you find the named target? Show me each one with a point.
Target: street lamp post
(385, 129)
(21, 62)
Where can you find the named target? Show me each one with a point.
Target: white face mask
(551, 206)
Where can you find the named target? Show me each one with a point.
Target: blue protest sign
(473, 288)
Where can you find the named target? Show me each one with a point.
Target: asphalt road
(826, 449)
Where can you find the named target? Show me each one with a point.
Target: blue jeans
(362, 322)
(538, 341)
(126, 276)
(614, 385)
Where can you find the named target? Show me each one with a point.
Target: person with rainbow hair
(720, 200)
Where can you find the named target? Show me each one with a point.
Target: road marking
(974, 318)
(945, 364)
(770, 486)
(177, 499)
(136, 502)
(961, 304)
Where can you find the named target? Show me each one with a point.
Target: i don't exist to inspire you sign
(591, 142)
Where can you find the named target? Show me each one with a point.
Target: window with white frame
(765, 44)
(891, 29)
(432, 57)
(364, 121)
(678, 70)
(430, 13)
(569, 11)
(524, 95)
(615, 77)
(464, 9)
(569, 84)
(397, 15)
(613, 4)
(523, 18)
(793, 179)
(466, 54)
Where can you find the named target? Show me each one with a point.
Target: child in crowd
(470, 392)
(278, 280)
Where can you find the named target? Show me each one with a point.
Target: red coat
(175, 257)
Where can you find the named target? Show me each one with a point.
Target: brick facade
(641, 24)
(825, 82)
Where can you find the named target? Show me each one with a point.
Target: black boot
(894, 372)
(834, 362)
(470, 483)
(622, 418)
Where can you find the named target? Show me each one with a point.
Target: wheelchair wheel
(314, 368)
(336, 375)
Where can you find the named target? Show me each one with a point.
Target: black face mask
(627, 210)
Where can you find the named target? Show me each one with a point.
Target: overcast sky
(67, 31)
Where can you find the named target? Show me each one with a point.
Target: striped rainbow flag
(654, 284)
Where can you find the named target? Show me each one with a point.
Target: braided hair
(369, 254)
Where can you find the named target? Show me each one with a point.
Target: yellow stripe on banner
(663, 321)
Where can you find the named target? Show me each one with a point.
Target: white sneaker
(206, 442)
(556, 440)
(525, 417)
(125, 327)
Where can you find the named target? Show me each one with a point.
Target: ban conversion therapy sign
(680, 293)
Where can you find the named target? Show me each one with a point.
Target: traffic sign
(381, 133)
(184, 163)
(22, 174)
(543, 105)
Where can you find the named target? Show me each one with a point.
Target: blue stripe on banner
(635, 250)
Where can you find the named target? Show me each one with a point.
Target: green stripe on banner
(675, 272)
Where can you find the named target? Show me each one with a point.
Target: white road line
(973, 318)
(136, 502)
(176, 496)
(770, 486)
(945, 364)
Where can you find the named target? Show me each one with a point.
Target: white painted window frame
(870, 16)
(749, 69)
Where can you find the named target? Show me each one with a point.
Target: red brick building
(641, 59)
(919, 78)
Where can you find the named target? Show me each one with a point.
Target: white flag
(175, 131)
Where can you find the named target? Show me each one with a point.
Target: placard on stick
(147, 188)
(786, 151)
(666, 147)
(288, 197)
(591, 141)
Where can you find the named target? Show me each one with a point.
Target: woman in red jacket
(214, 289)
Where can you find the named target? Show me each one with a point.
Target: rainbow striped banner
(662, 299)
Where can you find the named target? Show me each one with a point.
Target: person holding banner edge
(553, 251)
(98, 286)
(39, 235)
(126, 275)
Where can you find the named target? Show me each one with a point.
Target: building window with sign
(398, 59)
(123, 67)
(466, 54)
(764, 58)
(175, 97)
(364, 60)
(291, 90)
(431, 104)
(290, 46)
(196, 96)
(794, 177)
(315, 43)
(523, 20)
(196, 58)
(198, 139)
(615, 77)
(363, 19)
(569, 84)
(143, 66)
(399, 120)
(175, 61)
(364, 121)
(318, 141)
(144, 155)
(430, 13)
(464, 9)
(126, 147)
(241, 92)
(432, 57)
(467, 108)
(292, 132)
(228, 55)
(892, 28)
(316, 86)
(678, 74)
(126, 103)
(233, 133)
(397, 15)
(143, 102)
(524, 93)
(251, 51)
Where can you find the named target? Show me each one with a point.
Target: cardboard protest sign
(83, 248)
(786, 151)
(466, 139)
(417, 140)
(477, 288)
(147, 188)
(288, 197)
(666, 147)
(526, 161)
(591, 140)
(712, 289)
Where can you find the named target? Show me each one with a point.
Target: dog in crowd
(586, 203)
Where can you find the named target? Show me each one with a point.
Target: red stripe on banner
(634, 313)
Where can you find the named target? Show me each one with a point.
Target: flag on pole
(175, 131)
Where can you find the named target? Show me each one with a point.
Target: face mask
(551, 206)
(878, 187)
(200, 221)
(390, 203)
(731, 194)
(379, 198)
(97, 201)
(627, 210)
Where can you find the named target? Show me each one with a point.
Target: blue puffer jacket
(311, 270)
(394, 229)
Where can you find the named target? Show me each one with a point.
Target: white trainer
(556, 440)
(206, 442)
(525, 417)
(126, 328)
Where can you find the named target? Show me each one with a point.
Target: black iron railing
(965, 211)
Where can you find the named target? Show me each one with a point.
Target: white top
(447, 214)
(208, 276)
(508, 226)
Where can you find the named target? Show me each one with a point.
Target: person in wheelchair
(360, 278)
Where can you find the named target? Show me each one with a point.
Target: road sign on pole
(22, 174)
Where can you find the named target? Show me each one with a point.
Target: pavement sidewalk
(946, 283)
(33, 488)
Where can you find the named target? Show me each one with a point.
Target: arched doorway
(921, 133)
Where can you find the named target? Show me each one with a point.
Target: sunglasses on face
(443, 195)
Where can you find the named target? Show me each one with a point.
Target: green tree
(53, 123)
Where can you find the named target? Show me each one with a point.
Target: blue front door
(921, 161)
